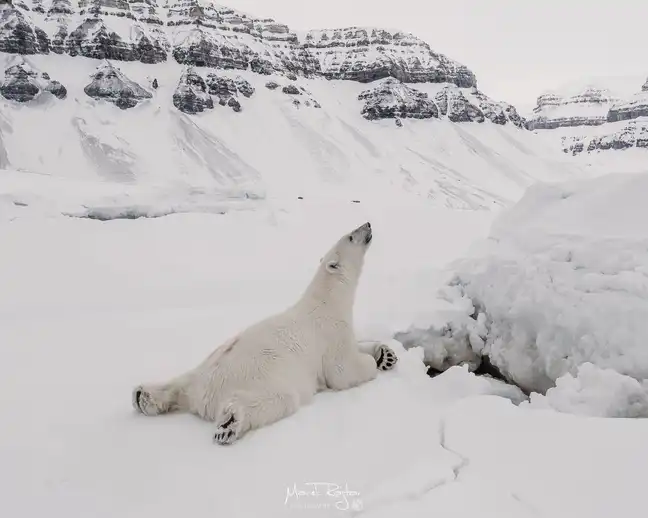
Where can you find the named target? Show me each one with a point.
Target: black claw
(138, 394)
(229, 434)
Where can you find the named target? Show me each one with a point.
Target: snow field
(89, 309)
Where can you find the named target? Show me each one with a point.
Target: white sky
(517, 48)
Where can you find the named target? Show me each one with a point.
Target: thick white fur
(270, 369)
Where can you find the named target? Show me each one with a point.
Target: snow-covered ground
(88, 309)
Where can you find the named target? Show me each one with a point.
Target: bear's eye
(351, 238)
(334, 266)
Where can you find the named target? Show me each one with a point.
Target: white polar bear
(273, 367)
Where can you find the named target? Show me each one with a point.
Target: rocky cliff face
(633, 108)
(227, 90)
(587, 108)
(363, 54)
(632, 134)
(391, 99)
(110, 84)
(498, 112)
(24, 83)
(207, 38)
(191, 95)
(453, 103)
(18, 34)
(597, 120)
(203, 34)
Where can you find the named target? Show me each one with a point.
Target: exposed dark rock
(60, 7)
(634, 134)
(204, 51)
(148, 51)
(23, 83)
(57, 89)
(18, 35)
(225, 38)
(110, 84)
(635, 107)
(392, 99)
(515, 117)
(553, 111)
(92, 39)
(191, 95)
(58, 42)
(155, 84)
(261, 66)
(223, 87)
(491, 110)
(291, 90)
(291, 76)
(362, 54)
(271, 85)
(498, 112)
(234, 104)
(227, 90)
(244, 87)
(453, 103)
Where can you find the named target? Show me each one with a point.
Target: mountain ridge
(201, 33)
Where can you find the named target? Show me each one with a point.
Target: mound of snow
(595, 392)
(562, 280)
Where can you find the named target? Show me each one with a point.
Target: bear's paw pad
(386, 359)
(229, 429)
(144, 402)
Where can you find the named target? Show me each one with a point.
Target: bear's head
(337, 277)
(344, 261)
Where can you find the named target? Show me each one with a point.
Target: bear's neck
(329, 294)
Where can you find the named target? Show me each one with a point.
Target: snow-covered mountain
(199, 99)
(595, 118)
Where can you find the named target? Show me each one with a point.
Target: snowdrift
(561, 281)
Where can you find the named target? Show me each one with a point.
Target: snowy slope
(271, 147)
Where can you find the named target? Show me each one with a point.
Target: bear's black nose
(368, 225)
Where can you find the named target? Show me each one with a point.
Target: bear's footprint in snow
(385, 358)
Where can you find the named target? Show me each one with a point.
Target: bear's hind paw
(385, 358)
(229, 429)
(144, 402)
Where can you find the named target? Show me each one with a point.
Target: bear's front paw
(385, 358)
(229, 429)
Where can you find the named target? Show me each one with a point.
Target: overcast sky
(517, 48)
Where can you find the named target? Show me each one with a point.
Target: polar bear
(270, 369)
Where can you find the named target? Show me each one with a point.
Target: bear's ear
(333, 263)
(332, 266)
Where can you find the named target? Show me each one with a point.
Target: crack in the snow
(465, 461)
(525, 504)
(422, 492)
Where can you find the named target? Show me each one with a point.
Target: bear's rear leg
(153, 400)
(248, 412)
